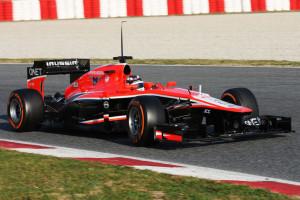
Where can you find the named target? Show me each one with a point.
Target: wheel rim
(135, 121)
(15, 111)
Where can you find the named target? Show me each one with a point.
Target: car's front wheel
(144, 113)
(242, 97)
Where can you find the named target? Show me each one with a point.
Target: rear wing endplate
(74, 67)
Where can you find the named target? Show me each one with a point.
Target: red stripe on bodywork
(48, 9)
(15, 145)
(6, 10)
(172, 137)
(126, 162)
(112, 119)
(134, 8)
(258, 5)
(159, 135)
(93, 122)
(295, 4)
(216, 6)
(175, 7)
(91, 8)
(282, 188)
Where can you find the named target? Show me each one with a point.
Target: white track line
(183, 169)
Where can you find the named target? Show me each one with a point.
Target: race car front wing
(261, 125)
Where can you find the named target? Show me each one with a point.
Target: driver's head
(135, 80)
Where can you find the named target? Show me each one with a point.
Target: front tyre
(234, 122)
(25, 109)
(242, 97)
(144, 113)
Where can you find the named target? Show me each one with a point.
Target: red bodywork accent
(93, 122)
(37, 83)
(106, 118)
(111, 83)
(159, 135)
(172, 137)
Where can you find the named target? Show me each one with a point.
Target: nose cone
(245, 109)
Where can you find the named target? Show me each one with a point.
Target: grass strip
(29, 176)
(212, 62)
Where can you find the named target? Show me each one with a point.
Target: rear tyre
(243, 97)
(144, 113)
(25, 109)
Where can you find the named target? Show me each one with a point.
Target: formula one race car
(112, 96)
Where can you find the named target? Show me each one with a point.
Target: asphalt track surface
(277, 91)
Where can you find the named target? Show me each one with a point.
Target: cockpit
(136, 82)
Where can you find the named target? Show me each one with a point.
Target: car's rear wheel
(144, 113)
(25, 109)
(243, 97)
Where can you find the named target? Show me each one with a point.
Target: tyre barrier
(22, 10)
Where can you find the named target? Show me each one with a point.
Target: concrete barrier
(238, 36)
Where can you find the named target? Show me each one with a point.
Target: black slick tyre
(25, 109)
(144, 113)
(243, 97)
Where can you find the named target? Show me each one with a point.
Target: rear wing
(36, 74)
(74, 67)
